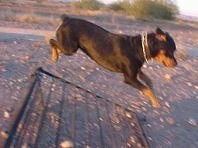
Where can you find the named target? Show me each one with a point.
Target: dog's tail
(65, 18)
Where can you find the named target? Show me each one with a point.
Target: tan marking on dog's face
(167, 61)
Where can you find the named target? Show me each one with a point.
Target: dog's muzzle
(170, 62)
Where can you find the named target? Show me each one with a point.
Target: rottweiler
(115, 52)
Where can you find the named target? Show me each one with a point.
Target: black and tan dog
(118, 53)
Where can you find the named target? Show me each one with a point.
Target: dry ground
(174, 125)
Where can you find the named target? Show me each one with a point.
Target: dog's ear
(160, 35)
(159, 31)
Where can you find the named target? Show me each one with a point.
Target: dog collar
(144, 45)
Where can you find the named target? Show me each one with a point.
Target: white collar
(145, 46)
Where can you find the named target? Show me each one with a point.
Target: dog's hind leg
(55, 50)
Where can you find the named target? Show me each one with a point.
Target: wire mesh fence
(57, 113)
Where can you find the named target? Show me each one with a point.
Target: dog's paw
(155, 104)
(150, 94)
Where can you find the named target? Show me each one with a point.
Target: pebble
(151, 68)
(6, 114)
(170, 120)
(196, 87)
(189, 84)
(66, 144)
(145, 66)
(132, 124)
(24, 58)
(148, 125)
(139, 145)
(192, 122)
(83, 68)
(167, 77)
(119, 31)
(128, 115)
(20, 80)
(150, 138)
(167, 104)
(101, 119)
(161, 120)
(144, 109)
(132, 139)
(18, 87)
(4, 134)
(25, 145)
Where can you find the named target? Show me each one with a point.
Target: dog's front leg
(145, 90)
(145, 78)
(149, 93)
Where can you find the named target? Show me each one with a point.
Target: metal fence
(57, 113)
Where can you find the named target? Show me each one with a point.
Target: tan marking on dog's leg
(59, 51)
(149, 93)
(55, 54)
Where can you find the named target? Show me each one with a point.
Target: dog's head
(164, 48)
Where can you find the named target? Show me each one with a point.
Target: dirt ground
(175, 124)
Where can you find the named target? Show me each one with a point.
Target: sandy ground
(174, 125)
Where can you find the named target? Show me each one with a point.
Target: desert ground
(24, 27)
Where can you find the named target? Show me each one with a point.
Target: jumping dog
(116, 52)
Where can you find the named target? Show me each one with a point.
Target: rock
(25, 145)
(6, 114)
(167, 104)
(145, 66)
(192, 122)
(196, 87)
(189, 84)
(150, 138)
(139, 145)
(167, 77)
(83, 68)
(128, 115)
(170, 120)
(132, 139)
(66, 144)
(4, 134)
(149, 125)
(161, 120)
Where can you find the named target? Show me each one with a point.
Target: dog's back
(80, 26)
(92, 39)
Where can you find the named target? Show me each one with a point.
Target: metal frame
(57, 111)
